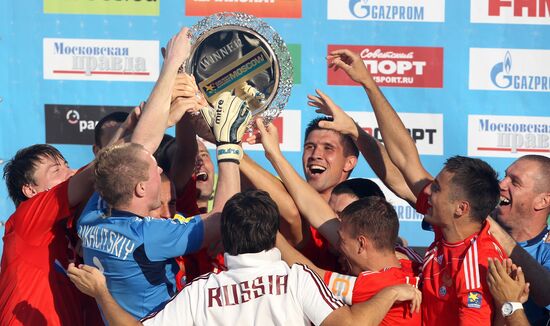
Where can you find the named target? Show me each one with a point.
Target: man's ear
(351, 162)
(542, 201)
(139, 189)
(28, 190)
(363, 243)
(462, 209)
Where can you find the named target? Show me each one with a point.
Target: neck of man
(458, 231)
(525, 229)
(378, 260)
(326, 194)
(134, 207)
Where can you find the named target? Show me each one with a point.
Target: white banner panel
(425, 129)
(508, 136)
(387, 10)
(88, 59)
(510, 69)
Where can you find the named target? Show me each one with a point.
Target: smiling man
(523, 212)
(328, 158)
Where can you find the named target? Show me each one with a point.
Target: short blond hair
(118, 169)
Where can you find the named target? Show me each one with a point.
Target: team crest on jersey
(474, 300)
(439, 259)
(442, 291)
(182, 219)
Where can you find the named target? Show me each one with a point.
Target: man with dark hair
(242, 231)
(257, 289)
(350, 190)
(328, 157)
(106, 128)
(523, 211)
(366, 235)
(456, 204)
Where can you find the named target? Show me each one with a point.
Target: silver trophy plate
(239, 53)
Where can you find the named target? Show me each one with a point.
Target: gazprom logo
(502, 77)
(500, 74)
(363, 10)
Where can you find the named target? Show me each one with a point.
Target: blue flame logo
(507, 62)
(500, 72)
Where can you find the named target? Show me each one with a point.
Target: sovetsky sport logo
(510, 69)
(401, 66)
(387, 10)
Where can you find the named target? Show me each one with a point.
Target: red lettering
(495, 5)
(531, 6)
(281, 284)
(214, 294)
(245, 292)
(544, 8)
(519, 6)
(258, 287)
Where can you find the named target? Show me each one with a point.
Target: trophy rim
(277, 48)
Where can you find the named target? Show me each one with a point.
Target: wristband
(227, 152)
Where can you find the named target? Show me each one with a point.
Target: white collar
(265, 257)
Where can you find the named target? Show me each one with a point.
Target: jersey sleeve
(165, 239)
(176, 312)
(39, 213)
(313, 296)
(342, 286)
(474, 298)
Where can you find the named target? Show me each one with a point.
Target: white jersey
(257, 289)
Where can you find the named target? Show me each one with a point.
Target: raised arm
(231, 118)
(372, 150)
(399, 144)
(291, 222)
(154, 118)
(372, 312)
(292, 256)
(310, 204)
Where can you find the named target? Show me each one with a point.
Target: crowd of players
(142, 231)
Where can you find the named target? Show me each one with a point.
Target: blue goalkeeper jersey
(136, 253)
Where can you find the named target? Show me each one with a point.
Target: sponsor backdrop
(467, 77)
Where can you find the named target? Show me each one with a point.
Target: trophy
(241, 54)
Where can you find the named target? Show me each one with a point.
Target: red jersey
(353, 290)
(318, 250)
(454, 286)
(32, 292)
(204, 261)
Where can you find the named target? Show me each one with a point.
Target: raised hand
(351, 63)
(229, 122)
(342, 122)
(269, 137)
(178, 48)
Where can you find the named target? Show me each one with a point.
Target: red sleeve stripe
(329, 298)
